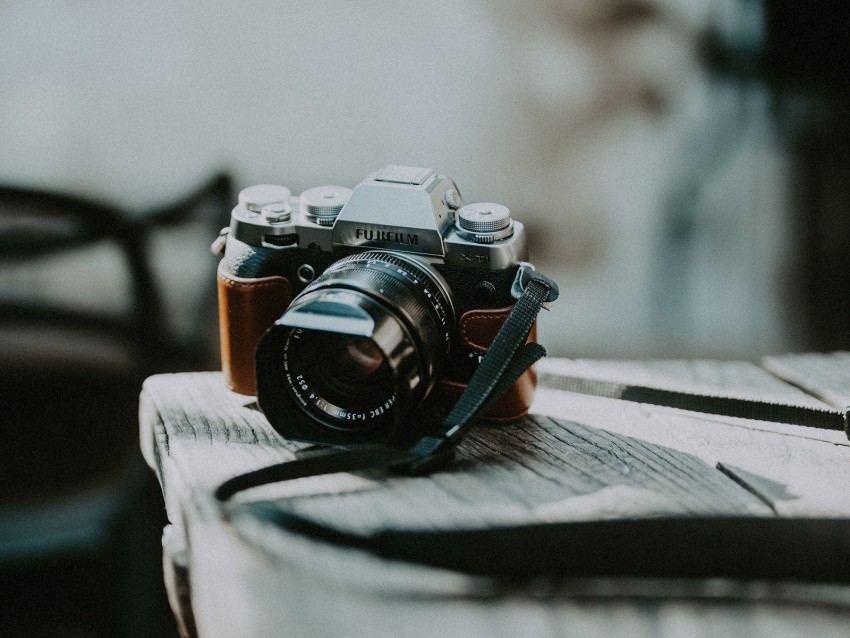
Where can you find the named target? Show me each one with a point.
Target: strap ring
(527, 273)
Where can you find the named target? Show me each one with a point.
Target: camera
(356, 315)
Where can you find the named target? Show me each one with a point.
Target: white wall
(590, 122)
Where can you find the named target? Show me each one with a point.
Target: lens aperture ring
(390, 291)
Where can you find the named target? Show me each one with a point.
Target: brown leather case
(246, 309)
(477, 329)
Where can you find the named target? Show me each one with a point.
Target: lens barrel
(357, 351)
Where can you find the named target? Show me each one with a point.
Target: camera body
(344, 310)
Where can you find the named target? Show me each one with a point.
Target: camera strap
(800, 549)
(759, 410)
(508, 357)
(810, 549)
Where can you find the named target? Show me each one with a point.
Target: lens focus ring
(427, 287)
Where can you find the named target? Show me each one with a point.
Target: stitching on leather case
(470, 321)
(277, 281)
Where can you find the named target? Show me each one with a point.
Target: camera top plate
(404, 209)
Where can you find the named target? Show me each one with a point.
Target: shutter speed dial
(322, 204)
(484, 223)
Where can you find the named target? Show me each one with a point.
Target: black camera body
(344, 310)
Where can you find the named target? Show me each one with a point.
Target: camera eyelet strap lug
(506, 360)
(527, 273)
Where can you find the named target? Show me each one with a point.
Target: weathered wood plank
(261, 581)
(539, 469)
(808, 466)
(598, 459)
(222, 434)
(792, 473)
(197, 434)
(726, 378)
(825, 375)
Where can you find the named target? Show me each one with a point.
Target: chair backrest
(82, 323)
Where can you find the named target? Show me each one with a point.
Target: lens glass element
(356, 359)
(344, 381)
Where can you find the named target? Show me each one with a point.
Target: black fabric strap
(709, 404)
(800, 549)
(328, 461)
(816, 550)
(500, 359)
(506, 359)
(700, 547)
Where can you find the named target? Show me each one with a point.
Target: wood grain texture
(797, 471)
(826, 376)
(537, 470)
(810, 467)
(577, 458)
(281, 583)
(729, 378)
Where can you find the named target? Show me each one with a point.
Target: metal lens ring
(422, 286)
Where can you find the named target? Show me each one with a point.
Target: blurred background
(682, 166)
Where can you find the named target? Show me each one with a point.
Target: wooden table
(576, 458)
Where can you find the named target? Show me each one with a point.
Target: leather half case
(246, 309)
(478, 329)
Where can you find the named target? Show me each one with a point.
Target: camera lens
(357, 350)
(343, 381)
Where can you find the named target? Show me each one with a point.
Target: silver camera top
(401, 208)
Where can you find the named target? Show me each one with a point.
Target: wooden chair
(80, 517)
